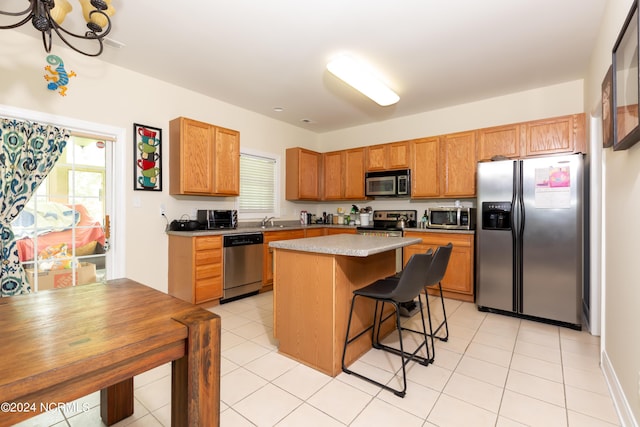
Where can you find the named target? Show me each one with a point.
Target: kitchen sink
(273, 226)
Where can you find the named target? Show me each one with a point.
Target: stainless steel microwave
(396, 183)
(211, 219)
(452, 218)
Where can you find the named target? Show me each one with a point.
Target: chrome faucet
(265, 220)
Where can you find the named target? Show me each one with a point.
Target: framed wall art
(626, 127)
(147, 158)
(607, 109)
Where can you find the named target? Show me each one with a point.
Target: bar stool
(436, 272)
(391, 291)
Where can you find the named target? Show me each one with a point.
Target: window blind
(257, 184)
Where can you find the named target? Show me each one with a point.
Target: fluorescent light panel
(360, 78)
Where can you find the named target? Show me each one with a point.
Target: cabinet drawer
(272, 236)
(211, 256)
(442, 239)
(208, 242)
(208, 289)
(210, 270)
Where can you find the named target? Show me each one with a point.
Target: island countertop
(346, 244)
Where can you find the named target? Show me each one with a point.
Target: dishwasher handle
(243, 239)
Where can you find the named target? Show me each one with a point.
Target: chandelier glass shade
(47, 16)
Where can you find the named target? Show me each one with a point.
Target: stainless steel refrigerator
(529, 238)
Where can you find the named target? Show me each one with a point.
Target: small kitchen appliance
(212, 219)
(451, 218)
(396, 183)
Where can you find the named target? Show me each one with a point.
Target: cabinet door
(398, 155)
(458, 280)
(272, 236)
(354, 160)
(394, 155)
(309, 172)
(227, 162)
(196, 157)
(458, 158)
(302, 174)
(375, 157)
(333, 165)
(314, 232)
(425, 174)
(499, 141)
(340, 230)
(556, 135)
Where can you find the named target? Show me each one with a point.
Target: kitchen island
(314, 280)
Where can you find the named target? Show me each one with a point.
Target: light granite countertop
(287, 227)
(346, 244)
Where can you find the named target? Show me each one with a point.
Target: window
(62, 228)
(259, 184)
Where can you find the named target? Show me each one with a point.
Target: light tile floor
(494, 371)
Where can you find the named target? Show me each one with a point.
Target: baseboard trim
(619, 399)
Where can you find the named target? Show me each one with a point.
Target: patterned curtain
(28, 153)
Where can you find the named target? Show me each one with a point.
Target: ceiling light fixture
(47, 15)
(362, 79)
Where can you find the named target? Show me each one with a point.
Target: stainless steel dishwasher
(242, 265)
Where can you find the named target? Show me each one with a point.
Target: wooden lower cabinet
(332, 231)
(267, 259)
(459, 278)
(315, 232)
(195, 268)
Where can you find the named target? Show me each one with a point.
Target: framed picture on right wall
(607, 109)
(625, 88)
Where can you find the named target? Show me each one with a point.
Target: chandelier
(48, 15)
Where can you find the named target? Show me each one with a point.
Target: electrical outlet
(194, 213)
(162, 209)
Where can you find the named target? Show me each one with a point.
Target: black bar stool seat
(394, 292)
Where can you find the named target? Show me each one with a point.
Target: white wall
(621, 238)
(110, 95)
(550, 101)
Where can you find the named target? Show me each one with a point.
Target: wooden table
(62, 344)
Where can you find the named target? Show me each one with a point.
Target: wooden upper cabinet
(191, 157)
(564, 134)
(395, 155)
(204, 159)
(226, 162)
(499, 141)
(303, 174)
(332, 175)
(458, 161)
(425, 175)
(343, 174)
(354, 170)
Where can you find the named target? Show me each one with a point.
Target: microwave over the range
(395, 183)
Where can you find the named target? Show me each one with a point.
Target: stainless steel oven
(386, 223)
(390, 223)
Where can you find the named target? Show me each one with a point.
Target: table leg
(116, 402)
(195, 378)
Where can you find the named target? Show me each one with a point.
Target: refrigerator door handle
(514, 238)
(520, 241)
(521, 200)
